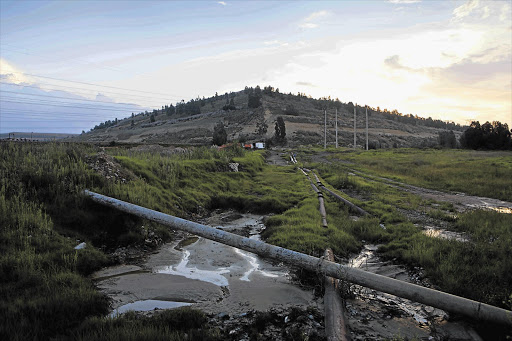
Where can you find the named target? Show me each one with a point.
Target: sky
(68, 65)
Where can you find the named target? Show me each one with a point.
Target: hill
(193, 122)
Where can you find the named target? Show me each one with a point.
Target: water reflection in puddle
(253, 261)
(501, 209)
(368, 261)
(147, 305)
(444, 234)
(212, 276)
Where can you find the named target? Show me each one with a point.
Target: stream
(204, 274)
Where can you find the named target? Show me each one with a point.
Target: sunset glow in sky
(451, 60)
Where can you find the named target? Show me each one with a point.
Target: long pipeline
(434, 298)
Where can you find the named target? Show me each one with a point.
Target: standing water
(215, 278)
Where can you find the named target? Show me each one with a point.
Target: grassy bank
(44, 289)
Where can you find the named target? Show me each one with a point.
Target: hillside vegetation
(251, 114)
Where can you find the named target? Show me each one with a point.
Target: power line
(105, 86)
(86, 90)
(60, 97)
(66, 105)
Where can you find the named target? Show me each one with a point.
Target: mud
(373, 315)
(215, 278)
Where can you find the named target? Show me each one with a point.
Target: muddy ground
(235, 288)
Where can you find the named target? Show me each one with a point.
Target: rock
(81, 246)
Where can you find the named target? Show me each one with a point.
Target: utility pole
(336, 127)
(366, 107)
(325, 128)
(355, 125)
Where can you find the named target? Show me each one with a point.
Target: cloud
(404, 1)
(223, 3)
(311, 21)
(465, 10)
(308, 25)
(308, 84)
(393, 62)
(275, 43)
(11, 74)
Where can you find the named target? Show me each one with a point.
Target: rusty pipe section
(434, 298)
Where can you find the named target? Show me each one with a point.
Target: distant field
(481, 173)
(480, 269)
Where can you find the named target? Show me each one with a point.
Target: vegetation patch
(478, 269)
(473, 172)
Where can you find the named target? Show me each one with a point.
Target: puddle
(369, 261)
(216, 277)
(444, 234)
(501, 209)
(255, 266)
(147, 305)
(186, 242)
(374, 315)
(212, 276)
(361, 259)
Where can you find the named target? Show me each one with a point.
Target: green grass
(177, 324)
(480, 269)
(474, 172)
(44, 291)
(43, 213)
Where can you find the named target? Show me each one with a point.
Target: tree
(261, 128)
(447, 139)
(152, 118)
(220, 136)
(254, 100)
(291, 110)
(487, 136)
(229, 105)
(280, 128)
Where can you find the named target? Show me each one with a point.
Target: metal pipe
(323, 213)
(339, 198)
(448, 302)
(335, 325)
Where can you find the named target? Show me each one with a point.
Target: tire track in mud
(461, 201)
